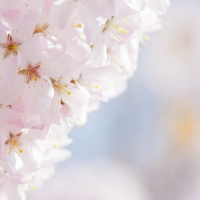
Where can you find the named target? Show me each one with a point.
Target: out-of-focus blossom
(172, 77)
(100, 180)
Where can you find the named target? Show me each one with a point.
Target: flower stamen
(31, 73)
(32, 187)
(14, 143)
(41, 29)
(114, 30)
(10, 47)
(58, 87)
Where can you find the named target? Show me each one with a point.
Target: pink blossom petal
(13, 15)
(10, 120)
(8, 71)
(52, 114)
(42, 92)
(60, 13)
(12, 91)
(79, 50)
(48, 4)
(136, 4)
(23, 30)
(66, 111)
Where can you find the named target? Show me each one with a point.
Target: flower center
(41, 29)
(15, 144)
(115, 29)
(57, 85)
(32, 187)
(31, 73)
(10, 46)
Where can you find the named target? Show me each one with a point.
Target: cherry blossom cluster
(58, 60)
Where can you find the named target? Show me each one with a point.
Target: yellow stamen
(117, 28)
(15, 48)
(60, 87)
(15, 144)
(31, 186)
(21, 151)
(54, 144)
(77, 25)
(95, 86)
(12, 47)
(21, 71)
(123, 31)
(78, 122)
(146, 37)
(41, 29)
(34, 77)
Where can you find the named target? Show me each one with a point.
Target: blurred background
(145, 144)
